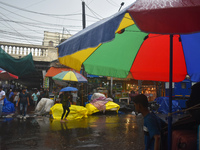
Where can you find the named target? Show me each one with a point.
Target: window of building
(51, 43)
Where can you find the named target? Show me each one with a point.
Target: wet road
(99, 132)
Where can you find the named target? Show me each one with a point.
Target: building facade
(53, 39)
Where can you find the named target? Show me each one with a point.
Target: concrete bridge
(42, 57)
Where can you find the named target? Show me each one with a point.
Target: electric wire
(22, 9)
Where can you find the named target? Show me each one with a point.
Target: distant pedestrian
(11, 96)
(74, 99)
(16, 98)
(152, 124)
(65, 99)
(2, 96)
(132, 96)
(34, 97)
(24, 102)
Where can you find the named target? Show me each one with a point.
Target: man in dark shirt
(24, 102)
(152, 124)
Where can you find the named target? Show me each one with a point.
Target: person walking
(35, 97)
(152, 124)
(16, 96)
(2, 96)
(24, 103)
(65, 99)
(74, 95)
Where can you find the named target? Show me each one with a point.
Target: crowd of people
(22, 98)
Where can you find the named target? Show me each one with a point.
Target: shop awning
(54, 71)
(18, 67)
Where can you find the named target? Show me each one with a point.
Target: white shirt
(2, 93)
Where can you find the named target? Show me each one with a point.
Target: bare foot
(62, 120)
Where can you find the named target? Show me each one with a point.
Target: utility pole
(84, 24)
(83, 14)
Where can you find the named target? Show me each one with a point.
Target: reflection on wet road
(99, 132)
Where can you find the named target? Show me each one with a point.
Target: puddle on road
(93, 132)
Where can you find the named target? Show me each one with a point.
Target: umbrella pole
(170, 94)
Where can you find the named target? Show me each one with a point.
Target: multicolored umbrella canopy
(115, 46)
(157, 57)
(4, 75)
(70, 76)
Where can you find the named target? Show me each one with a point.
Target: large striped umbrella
(157, 57)
(115, 46)
(70, 76)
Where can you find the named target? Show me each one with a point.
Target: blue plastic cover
(164, 105)
(8, 107)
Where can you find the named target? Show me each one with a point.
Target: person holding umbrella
(65, 99)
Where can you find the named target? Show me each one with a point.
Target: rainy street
(101, 132)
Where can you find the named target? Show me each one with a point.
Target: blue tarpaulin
(164, 105)
(8, 107)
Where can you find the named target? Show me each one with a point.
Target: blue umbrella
(68, 89)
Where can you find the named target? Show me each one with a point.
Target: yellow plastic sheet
(76, 112)
(111, 106)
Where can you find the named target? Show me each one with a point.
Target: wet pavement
(110, 131)
(99, 132)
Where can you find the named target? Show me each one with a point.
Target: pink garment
(100, 103)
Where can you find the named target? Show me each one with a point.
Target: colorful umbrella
(4, 75)
(146, 56)
(68, 89)
(70, 76)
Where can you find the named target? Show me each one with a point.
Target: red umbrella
(4, 75)
(167, 17)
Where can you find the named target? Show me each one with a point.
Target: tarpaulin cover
(8, 107)
(110, 106)
(15, 66)
(76, 112)
(44, 106)
(164, 105)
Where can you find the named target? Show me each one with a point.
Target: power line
(15, 30)
(22, 9)
(113, 4)
(94, 13)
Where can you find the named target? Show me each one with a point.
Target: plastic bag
(97, 95)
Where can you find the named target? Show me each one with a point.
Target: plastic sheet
(110, 106)
(44, 105)
(164, 105)
(8, 107)
(76, 112)
(97, 95)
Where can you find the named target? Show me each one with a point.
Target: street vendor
(65, 99)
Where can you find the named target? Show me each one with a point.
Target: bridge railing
(39, 52)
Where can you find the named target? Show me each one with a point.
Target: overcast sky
(24, 21)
